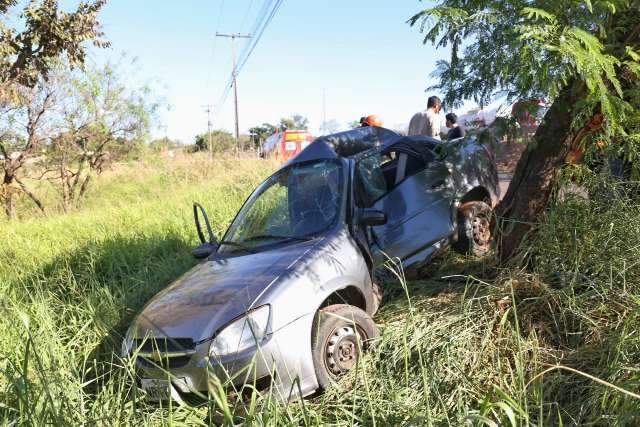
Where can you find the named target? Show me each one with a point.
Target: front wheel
(340, 333)
(475, 228)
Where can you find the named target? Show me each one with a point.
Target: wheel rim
(481, 229)
(342, 349)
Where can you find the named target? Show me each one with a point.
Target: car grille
(164, 345)
(165, 362)
(165, 352)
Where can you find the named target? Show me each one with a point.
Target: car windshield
(296, 203)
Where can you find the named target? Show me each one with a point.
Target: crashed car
(285, 299)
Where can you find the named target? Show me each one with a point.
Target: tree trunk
(535, 173)
(6, 193)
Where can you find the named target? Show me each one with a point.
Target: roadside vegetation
(554, 343)
(95, 222)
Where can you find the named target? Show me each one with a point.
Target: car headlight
(242, 334)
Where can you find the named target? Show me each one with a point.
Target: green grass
(469, 344)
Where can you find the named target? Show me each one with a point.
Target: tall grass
(554, 343)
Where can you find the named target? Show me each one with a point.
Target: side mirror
(207, 247)
(203, 250)
(372, 217)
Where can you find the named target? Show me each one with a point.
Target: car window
(371, 182)
(379, 173)
(295, 202)
(268, 215)
(414, 164)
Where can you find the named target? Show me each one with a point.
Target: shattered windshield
(296, 203)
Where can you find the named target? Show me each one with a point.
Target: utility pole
(208, 110)
(234, 72)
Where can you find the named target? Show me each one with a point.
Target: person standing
(455, 131)
(427, 122)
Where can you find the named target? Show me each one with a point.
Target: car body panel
(418, 212)
(214, 292)
(296, 279)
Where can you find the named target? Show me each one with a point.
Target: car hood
(215, 292)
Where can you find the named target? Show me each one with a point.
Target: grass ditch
(555, 343)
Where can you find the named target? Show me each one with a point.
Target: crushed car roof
(355, 141)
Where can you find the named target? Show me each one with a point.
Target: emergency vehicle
(286, 144)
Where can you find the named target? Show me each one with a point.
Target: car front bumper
(280, 360)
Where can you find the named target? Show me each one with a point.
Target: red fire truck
(284, 145)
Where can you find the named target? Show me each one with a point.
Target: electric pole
(208, 110)
(233, 37)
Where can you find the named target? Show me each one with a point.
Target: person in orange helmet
(370, 120)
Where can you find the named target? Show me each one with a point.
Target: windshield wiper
(237, 245)
(276, 236)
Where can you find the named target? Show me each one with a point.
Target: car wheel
(475, 228)
(378, 293)
(340, 333)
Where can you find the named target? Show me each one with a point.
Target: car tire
(475, 228)
(340, 332)
(378, 294)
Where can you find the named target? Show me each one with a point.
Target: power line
(246, 14)
(215, 39)
(260, 33)
(262, 22)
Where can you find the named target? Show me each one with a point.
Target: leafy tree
(41, 35)
(31, 43)
(163, 143)
(581, 54)
(221, 142)
(295, 122)
(25, 125)
(262, 132)
(101, 122)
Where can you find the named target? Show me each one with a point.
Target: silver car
(284, 300)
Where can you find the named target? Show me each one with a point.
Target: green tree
(164, 143)
(101, 121)
(262, 132)
(32, 41)
(581, 54)
(41, 35)
(221, 142)
(295, 122)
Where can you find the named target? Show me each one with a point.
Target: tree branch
(31, 195)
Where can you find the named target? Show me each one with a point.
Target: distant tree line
(223, 141)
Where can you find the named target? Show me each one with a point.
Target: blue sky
(362, 53)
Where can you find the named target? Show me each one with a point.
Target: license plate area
(156, 390)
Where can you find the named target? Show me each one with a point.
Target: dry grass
(470, 344)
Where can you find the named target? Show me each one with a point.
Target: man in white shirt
(427, 122)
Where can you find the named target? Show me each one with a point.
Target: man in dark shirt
(455, 131)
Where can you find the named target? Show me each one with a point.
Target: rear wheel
(378, 293)
(340, 333)
(475, 228)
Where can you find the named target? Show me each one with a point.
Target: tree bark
(31, 195)
(535, 174)
(6, 191)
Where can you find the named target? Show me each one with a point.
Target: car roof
(356, 141)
